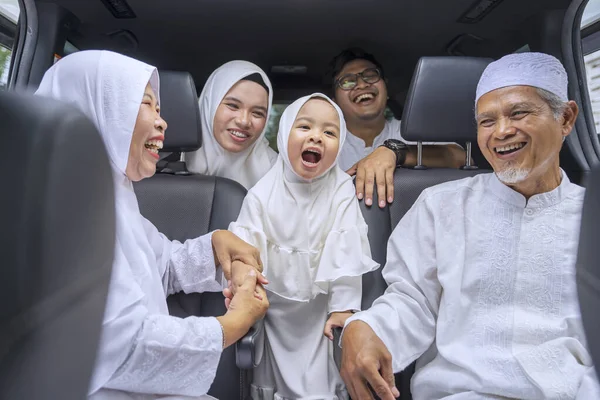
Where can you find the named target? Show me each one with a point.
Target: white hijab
(247, 166)
(310, 233)
(109, 87)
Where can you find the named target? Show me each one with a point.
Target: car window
(590, 25)
(592, 69)
(68, 49)
(273, 124)
(9, 16)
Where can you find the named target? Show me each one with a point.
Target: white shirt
(355, 149)
(482, 289)
(154, 354)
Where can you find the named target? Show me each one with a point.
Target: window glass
(9, 16)
(591, 16)
(273, 124)
(5, 54)
(592, 69)
(68, 49)
(9, 9)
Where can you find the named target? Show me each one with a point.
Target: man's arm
(379, 166)
(376, 168)
(442, 156)
(404, 318)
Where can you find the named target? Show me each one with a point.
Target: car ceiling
(199, 35)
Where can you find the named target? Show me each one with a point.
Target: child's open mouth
(311, 157)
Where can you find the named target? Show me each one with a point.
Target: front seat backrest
(439, 108)
(57, 241)
(588, 269)
(183, 114)
(187, 206)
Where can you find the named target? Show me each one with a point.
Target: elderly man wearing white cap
(481, 271)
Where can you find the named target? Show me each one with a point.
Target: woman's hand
(335, 320)
(228, 248)
(244, 308)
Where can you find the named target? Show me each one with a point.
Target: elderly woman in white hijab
(144, 352)
(305, 219)
(234, 105)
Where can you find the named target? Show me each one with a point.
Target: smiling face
(314, 139)
(519, 135)
(366, 101)
(241, 116)
(147, 139)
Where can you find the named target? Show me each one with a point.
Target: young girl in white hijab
(234, 107)
(305, 219)
(144, 353)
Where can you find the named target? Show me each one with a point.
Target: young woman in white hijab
(234, 107)
(305, 219)
(145, 353)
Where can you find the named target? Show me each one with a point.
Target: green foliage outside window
(4, 66)
(273, 124)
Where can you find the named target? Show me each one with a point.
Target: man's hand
(376, 168)
(365, 359)
(228, 248)
(335, 320)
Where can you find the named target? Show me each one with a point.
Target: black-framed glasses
(349, 81)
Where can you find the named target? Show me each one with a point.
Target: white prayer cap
(525, 69)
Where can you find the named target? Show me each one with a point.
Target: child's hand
(238, 272)
(336, 320)
(230, 291)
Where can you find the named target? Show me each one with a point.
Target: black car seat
(588, 268)
(439, 108)
(184, 206)
(57, 244)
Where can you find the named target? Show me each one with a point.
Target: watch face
(395, 145)
(398, 148)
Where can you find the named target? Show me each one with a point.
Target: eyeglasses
(349, 82)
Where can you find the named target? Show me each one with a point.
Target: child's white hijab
(108, 88)
(247, 166)
(309, 233)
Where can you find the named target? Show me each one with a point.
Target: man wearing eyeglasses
(374, 147)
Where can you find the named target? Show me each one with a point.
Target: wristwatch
(399, 148)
